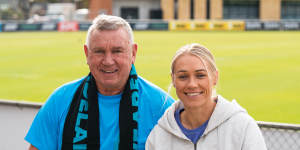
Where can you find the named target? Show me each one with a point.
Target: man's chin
(110, 85)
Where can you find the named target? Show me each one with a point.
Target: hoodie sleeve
(149, 143)
(254, 139)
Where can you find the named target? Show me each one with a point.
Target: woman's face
(192, 81)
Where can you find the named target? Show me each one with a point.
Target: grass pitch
(261, 70)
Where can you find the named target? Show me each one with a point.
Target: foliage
(10, 14)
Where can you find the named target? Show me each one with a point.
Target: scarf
(81, 128)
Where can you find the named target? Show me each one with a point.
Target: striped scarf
(81, 128)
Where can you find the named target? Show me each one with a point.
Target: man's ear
(85, 50)
(134, 51)
(86, 53)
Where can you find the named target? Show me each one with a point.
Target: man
(112, 108)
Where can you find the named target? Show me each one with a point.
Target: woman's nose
(192, 83)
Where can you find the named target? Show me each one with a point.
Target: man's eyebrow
(98, 49)
(117, 47)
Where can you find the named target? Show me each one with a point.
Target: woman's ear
(216, 78)
(173, 80)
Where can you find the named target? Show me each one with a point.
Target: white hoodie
(229, 128)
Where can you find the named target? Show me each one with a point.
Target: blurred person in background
(112, 108)
(201, 119)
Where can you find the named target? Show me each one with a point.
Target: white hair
(108, 22)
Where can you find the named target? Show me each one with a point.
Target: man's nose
(108, 59)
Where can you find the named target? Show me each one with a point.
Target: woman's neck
(192, 118)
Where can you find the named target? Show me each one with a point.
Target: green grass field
(261, 70)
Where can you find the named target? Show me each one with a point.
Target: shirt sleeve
(43, 133)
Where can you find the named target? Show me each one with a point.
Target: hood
(222, 112)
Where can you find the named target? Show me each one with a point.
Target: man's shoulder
(65, 91)
(148, 86)
(153, 102)
(152, 93)
(69, 86)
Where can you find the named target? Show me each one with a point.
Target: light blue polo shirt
(46, 130)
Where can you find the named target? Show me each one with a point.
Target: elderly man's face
(110, 56)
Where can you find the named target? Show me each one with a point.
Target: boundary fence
(280, 136)
(176, 25)
(16, 118)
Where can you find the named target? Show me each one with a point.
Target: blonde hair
(200, 51)
(108, 22)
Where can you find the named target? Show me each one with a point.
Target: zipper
(195, 146)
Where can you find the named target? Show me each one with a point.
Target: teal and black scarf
(81, 128)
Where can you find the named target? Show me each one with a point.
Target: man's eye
(99, 51)
(117, 51)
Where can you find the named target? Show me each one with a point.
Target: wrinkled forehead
(117, 38)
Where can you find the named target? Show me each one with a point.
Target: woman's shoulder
(231, 113)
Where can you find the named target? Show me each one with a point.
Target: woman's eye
(200, 75)
(182, 77)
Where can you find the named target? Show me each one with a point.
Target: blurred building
(128, 9)
(8, 3)
(197, 9)
(9, 9)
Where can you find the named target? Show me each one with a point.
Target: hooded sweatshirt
(229, 128)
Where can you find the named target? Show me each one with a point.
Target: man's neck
(110, 92)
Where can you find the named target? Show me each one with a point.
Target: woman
(201, 120)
